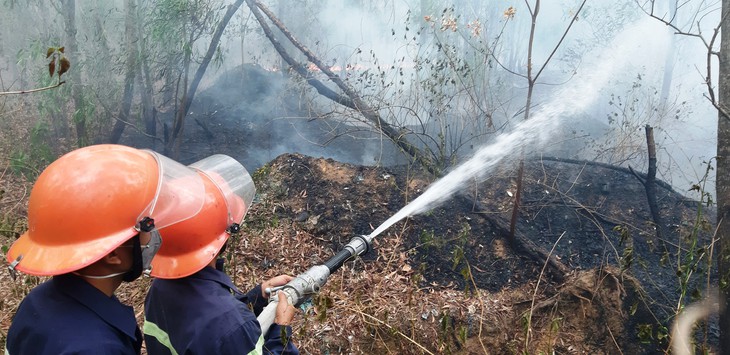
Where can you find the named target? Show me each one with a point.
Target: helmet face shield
(192, 244)
(91, 200)
(180, 193)
(234, 182)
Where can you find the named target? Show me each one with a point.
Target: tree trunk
(351, 99)
(71, 45)
(528, 105)
(650, 183)
(130, 35)
(723, 179)
(531, 81)
(669, 61)
(190, 93)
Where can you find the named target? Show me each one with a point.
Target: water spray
(538, 128)
(311, 281)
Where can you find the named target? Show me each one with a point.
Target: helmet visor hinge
(233, 228)
(146, 224)
(13, 265)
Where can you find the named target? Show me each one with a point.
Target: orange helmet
(192, 244)
(91, 200)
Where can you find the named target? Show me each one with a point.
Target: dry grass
(380, 304)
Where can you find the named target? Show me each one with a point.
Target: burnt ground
(449, 280)
(458, 256)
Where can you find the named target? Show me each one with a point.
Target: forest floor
(449, 281)
(585, 273)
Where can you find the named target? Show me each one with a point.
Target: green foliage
(691, 262)
(627, 256)
(445, 329)
(428, 240)
(645, 333)
(321, 304)
(30, 161)
(261, 174)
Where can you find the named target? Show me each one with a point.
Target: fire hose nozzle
(272, 290)
(311, 281)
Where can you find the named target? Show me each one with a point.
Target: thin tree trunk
(722, 179)
(190, 93)
(72, 47)
(149, 110)
(528, 105)
(669, 60)
(650, 183)
(130, 36)
(516, 206)
(531, 81)
(352, 99)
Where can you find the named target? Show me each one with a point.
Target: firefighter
(192, 306)
(93, 216)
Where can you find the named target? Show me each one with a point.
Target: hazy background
(449, 75)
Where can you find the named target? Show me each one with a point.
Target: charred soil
(452, 280)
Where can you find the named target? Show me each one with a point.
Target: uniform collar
(109, 309)
(210, 273)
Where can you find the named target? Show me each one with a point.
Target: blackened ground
(575, 210)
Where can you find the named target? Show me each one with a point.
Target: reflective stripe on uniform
(259, 349)
(153, 330)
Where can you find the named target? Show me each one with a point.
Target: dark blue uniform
(204, 313)
(67, 315)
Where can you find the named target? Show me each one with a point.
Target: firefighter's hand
(280, 280)
(284, 310)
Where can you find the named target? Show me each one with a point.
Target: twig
(537, 286)
(395, 330)
(481, 305)
(20, 92)
(614, 339)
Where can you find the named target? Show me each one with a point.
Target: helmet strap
(99, 276)
(137, 264)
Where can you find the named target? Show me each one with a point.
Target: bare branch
(562, 38)
(32, 90)
(361, 106)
